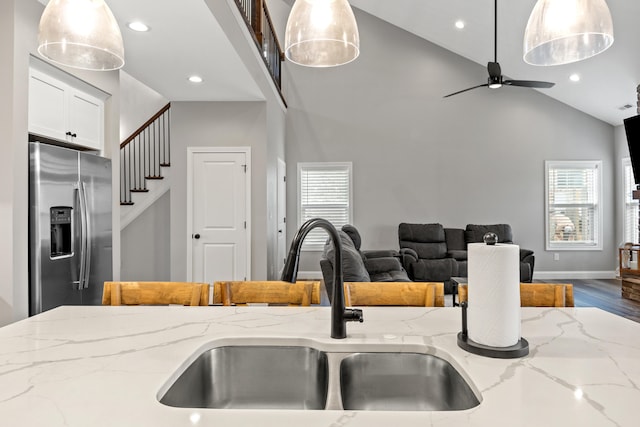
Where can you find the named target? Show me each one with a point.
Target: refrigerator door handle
(85, 246)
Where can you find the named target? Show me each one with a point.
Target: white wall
(18, 37)
(474, 158)
(138, 103)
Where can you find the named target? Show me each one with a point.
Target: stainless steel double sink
(303, 377)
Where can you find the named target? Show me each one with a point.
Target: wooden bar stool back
(409, 294)
(155, 293)
(537, 294)
(303, 293)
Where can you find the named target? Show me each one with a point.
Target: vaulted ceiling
(186, 39)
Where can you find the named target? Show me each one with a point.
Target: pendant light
(565, 31)
(81, 34)
(321, 33)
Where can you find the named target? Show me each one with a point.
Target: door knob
(196, 236)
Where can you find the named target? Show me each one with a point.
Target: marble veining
(104, 366)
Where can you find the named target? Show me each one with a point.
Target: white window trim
(626, 161)
(573, 246)
(322, 165)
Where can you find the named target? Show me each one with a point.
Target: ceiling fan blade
(494, 70)
(465, 90)
(529, 83)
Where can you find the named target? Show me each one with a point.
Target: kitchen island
(105, 366)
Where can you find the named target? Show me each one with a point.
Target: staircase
(145, 158)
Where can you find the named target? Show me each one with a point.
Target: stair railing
(143, 154)
(256, 16)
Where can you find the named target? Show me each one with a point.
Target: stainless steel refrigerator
(70, 244)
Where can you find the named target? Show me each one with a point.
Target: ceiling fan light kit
(565, 31)
(81, 34)
(321, 33)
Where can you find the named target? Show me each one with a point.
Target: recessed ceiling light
(195, 79)
(138, 26)
(574, 77)
(459, 24)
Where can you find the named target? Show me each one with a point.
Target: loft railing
(143, 154)
(256, 16)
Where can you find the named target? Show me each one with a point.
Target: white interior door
(219, 227)
(282, 214)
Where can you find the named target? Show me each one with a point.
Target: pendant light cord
(495, 31)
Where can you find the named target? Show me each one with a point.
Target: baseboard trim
(540, 275)
(310, 275)
(547, 275)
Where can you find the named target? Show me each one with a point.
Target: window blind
(573, 205)
(325, 192)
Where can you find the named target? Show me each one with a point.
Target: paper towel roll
(493, 317)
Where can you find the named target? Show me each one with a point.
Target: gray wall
(474, 158)
(146, 241)
(218, 124)
(146, 244)
(18, 40)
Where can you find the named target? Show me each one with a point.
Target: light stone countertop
(104, 366)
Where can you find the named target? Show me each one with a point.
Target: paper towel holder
(520, 349)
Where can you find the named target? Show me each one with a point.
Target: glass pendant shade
(81, 34)
(565, 31)
(321, 33)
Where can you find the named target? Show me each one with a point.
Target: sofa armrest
(525, 253)
(382, 265)
(409, 255)
(380, 253)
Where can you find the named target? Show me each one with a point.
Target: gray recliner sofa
(361, 266)
(432, 253)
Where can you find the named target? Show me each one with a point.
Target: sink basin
(402, 382)
(253, 377)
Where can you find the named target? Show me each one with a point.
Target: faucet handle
(353, 315)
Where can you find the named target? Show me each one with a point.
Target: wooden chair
(537, 294)
(416, 294)
(303, 293)
(155, 293)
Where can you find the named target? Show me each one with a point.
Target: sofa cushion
(428, 240)
(455, 239)
(434, 270)
(353, 269)
(474, 233)
(379, 265)
(391, 276)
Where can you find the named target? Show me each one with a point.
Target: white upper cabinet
(65, 111)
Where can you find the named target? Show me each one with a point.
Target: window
(630, 211)
(324, 191)
(573, 205)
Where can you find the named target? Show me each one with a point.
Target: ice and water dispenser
(61, 231)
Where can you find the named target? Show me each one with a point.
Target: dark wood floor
(604, 294)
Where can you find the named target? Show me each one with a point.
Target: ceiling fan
(496, 79)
